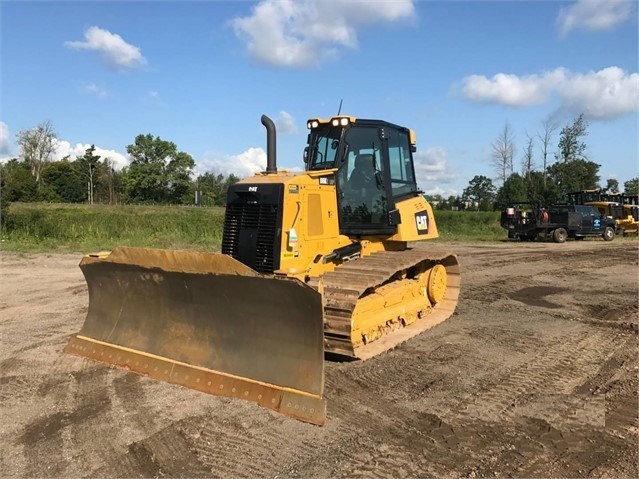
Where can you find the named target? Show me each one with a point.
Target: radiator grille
(260, 221)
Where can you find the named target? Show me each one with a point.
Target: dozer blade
(207, 322)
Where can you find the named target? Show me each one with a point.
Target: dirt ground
(534, 376)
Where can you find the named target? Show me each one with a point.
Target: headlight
(340, 121)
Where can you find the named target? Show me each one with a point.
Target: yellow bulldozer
(623, 208)
(314, 264)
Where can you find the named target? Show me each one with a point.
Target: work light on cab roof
(334, 121)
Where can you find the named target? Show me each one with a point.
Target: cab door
(591, 220)
(362, 197)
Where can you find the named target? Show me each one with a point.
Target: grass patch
(44, 227)
(469, 225)
(38, 227)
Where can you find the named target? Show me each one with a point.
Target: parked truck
(528, 222)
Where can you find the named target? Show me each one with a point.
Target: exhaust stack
(271, 160)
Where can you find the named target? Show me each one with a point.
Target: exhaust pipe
(271, 160)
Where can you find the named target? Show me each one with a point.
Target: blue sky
(201, 73)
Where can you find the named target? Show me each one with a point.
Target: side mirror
(306, 155)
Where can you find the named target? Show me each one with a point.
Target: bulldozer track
(344, 287)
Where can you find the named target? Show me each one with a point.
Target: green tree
(543, 190)
(214, 187)
(109, 183)
(576, 175)
(514, 189)
(37, 146)
(180, 187)
(480, 193)
(451, 203)
(4, 204)
(571, 147)
(612, 185)
(64, 181)
(89, 165)
(19, 183)
(158, 171)
(631, 187)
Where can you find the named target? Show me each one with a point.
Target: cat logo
(421, 220)
(327, 180)
(253, 189)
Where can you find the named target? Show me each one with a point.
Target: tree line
(158, 173)
(571, 171)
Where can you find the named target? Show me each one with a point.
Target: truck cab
(581, 221)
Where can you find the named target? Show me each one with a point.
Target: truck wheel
(559, 235)
(608, 234)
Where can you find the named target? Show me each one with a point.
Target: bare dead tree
(503, 153)
(549, 126)
(529, 159)
(37, 146)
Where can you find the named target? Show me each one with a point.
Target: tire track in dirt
(254, 443)
(15, 387)
(392, 436)
(167, 453)
(46, 435)
(129, 409)
(88, 394)
(618, 382)
(553, 370)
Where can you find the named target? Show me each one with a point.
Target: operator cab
(373, 164)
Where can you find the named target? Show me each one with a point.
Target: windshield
(323, 148)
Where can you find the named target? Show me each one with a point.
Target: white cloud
(444, 193)
(608, 93)
(115, 51)
(301, 33)
(512, 90)
(286, 123)
(96, 90)
(64, 148)
(593, 15)
(4, 138)
(432, 168)
(243, 165)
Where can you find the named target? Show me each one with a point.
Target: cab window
(401, 164)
